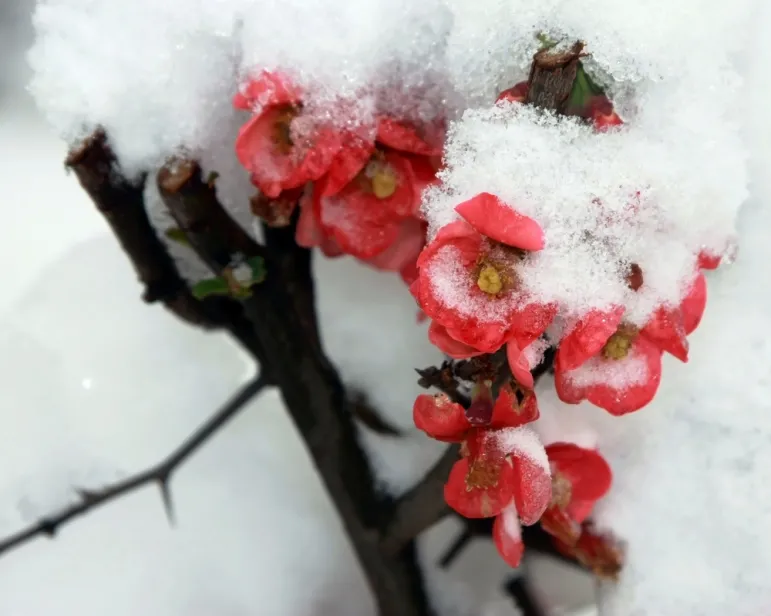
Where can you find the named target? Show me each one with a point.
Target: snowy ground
(96, 384)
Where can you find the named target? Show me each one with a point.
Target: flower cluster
(503, 471)
(358, 186)
(469, 285)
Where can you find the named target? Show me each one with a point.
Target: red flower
(580, 477)
(279, 153)
(468, 282)
(365, 216)
(503, 462)
(608, 363)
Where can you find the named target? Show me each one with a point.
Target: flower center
(561, 490)
(620, 343)
(282, 128)
(489, 280)
(379, 177)
(482, 475)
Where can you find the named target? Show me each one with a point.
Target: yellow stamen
(620, 343)
(489, 280)
(383, 182)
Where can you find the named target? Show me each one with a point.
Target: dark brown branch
(524, 599)
(282, 315)
(121, 203)
(421, 507)
(160, 474)
(552, 75)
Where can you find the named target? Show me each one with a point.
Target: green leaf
(210, 286)
(177, 235)
(258, 269)
(583, 89)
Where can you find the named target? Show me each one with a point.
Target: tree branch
(122, 205)
(552, 75)
(421, 507)
(282, 315)
(159, 474)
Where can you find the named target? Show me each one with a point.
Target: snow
(616, 374)
(690, 470)
(523, 441)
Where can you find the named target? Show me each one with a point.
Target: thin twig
(159, 474)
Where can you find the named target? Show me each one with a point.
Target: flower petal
(694, 304)
(401, 136)
(511, 412)
(440, 417)
(507, 536)
(560, 524)
(588, 472)
(404, 250)
(462, 494)
(349, 161)
(493, 218)
(441, 339)
(667, 331)
(519, 365)
(267, 89)
(516, 94)
(587, 338)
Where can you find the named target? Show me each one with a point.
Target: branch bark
(122, 205)
(552, 75)
(160, 474)
(282, 314)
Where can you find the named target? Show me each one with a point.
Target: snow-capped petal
(403, 137)
(267, 89)
(496, 220)
(628, 385)
(666, 330)
(587, 338)
(507, 536)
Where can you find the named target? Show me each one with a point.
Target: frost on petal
(507, 536)
(268, 89)
(502, 223)
(532, 473)
(400, 136)
(666, 330)
(440, 417)
(479, 489)
(618, 386)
